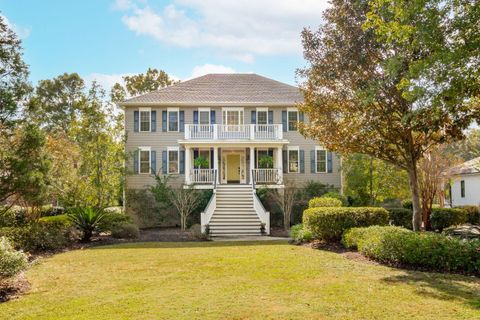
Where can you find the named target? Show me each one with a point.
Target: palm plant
(87, 220)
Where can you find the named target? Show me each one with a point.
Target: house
(465, 183)
(232, 133)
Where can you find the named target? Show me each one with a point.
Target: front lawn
(234, 280)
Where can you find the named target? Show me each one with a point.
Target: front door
(233, 168)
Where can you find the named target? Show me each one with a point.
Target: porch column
(188, 164)
(279, 164)
(252, 163)
(215, 162)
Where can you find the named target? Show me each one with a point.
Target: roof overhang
(207, 104)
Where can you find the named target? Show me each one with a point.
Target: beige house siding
(160, 141)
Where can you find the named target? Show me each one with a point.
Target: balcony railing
(233, 132)
(202, 176)
(266, 176)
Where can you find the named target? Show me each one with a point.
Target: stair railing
(262, 214)
(207, 214)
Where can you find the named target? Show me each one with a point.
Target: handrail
(253, 178)
(266, 175)
(262, 214)
(207, 214)
(233, 131)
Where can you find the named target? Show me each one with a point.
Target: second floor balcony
(233, 132)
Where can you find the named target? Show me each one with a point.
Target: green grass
(257, 280)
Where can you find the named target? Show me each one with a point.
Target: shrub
(62, 219)
(299, 234)
(324, 202)
(329, 223)
(196, 231)
(11, 261)
(445, 217)
(125, 230)
(49, 210)
(338, 196)
(431, 250)
(40, 236)
(400, 217)
(407, 204)
(87, 220)
(473, 214)
(7, 218)
(113, 218)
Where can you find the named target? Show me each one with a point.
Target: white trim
(145, 109)
(177, 110)
(233, 109)
(297, 149)
(209, 115)
(149, 150)
(149, 110)
(319, 148)
(292, 109)
(173, 149)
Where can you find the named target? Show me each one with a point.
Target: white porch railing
(233, 132)
(263, 176)
(202, 175)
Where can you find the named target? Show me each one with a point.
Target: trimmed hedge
(299, 234)
(324, 202)
(338, 196)
(442, 218)
(400, 217)
(473, 214)
(329, 223)
(399, 246)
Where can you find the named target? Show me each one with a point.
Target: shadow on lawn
(445, 286)
(195, 244)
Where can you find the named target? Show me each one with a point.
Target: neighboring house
(465, 183)
(244, 129)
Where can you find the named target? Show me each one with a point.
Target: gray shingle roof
(223, 89)
(469, 167)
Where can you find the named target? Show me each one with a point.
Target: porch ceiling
(233, 143)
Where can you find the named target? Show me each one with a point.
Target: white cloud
(105, 80)
(209, 68)
(22, 32)
(241, 29)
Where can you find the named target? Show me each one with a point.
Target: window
(462, 188)
(233, 116)
(293, 160)
(173, 119)
(204, 163)
(267, 161)
(320, 160)
(262, 116)
(292, 120)
(204, 116)
(144, 120)
(144, 163)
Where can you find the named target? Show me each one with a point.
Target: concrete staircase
(234, 214)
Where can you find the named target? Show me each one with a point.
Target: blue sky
(105, 39)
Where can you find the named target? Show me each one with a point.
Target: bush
(400, 217)
(87, 220)
(324, 202)
(11, 261)
(329, 223)
(299, 234)
(314, 189)
(40, 236)
(125, 230)
(113, 218)
(7, 218)
(49, 210)
(473, 214)
(62, 219)
(338, 196)
(442, 218)
(196, 231)
(407, 204)
(430, 250)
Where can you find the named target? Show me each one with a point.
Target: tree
(286, 199)
(141, 83)
(467, 149)
(367, 88)
(185, 202)
(369, 180)
(57, 103)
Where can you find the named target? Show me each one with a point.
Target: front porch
(261, 166)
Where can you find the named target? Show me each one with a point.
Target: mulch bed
(13, 288)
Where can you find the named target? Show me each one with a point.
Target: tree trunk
(417, 210)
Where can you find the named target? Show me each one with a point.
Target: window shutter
(254, 117)
(164, 162)
(302, 161)
(255, 156)
(329, 162)
(153, 120)
(164, 121)
(212, 117)
(182, 121)
(135, 121)
(312, 161)
(136, 154)
(212, 160)
(284, 121)
(270, 117)
(285, 161)
(195, 117)
(153, 162)
(182, 161)
(301, 117)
